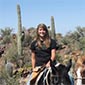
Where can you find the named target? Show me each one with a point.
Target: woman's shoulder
(53, 40)
(53, 44)
(33, 44)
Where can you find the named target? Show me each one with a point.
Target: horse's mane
(80, 62)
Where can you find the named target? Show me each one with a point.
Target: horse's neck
(79, 77)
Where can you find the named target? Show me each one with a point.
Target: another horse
(56, 75)
(80, 71)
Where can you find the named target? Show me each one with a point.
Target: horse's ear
(60, 67)
(70, 60)
(69, 65)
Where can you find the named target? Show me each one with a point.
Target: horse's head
(62, 71)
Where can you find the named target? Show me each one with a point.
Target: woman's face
(41, 32)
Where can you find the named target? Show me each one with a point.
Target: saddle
(36, 73)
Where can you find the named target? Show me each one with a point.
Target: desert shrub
(7, 80)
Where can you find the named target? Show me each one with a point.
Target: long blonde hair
(47, 40)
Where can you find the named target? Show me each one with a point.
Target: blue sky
(68, 14)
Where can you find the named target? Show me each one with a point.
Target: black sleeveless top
(43, 54)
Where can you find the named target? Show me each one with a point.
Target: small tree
(6, 35)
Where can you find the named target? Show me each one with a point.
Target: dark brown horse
(56, 75)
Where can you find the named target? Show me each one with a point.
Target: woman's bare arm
(33, 60)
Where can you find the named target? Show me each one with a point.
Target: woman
(43, 48)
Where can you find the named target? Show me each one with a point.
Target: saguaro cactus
(9, 68)
(49, 30)
(52, 28)
(19, 34)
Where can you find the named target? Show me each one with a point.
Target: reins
(79, 78)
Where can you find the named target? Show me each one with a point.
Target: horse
(55, 75)
(80, 71)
